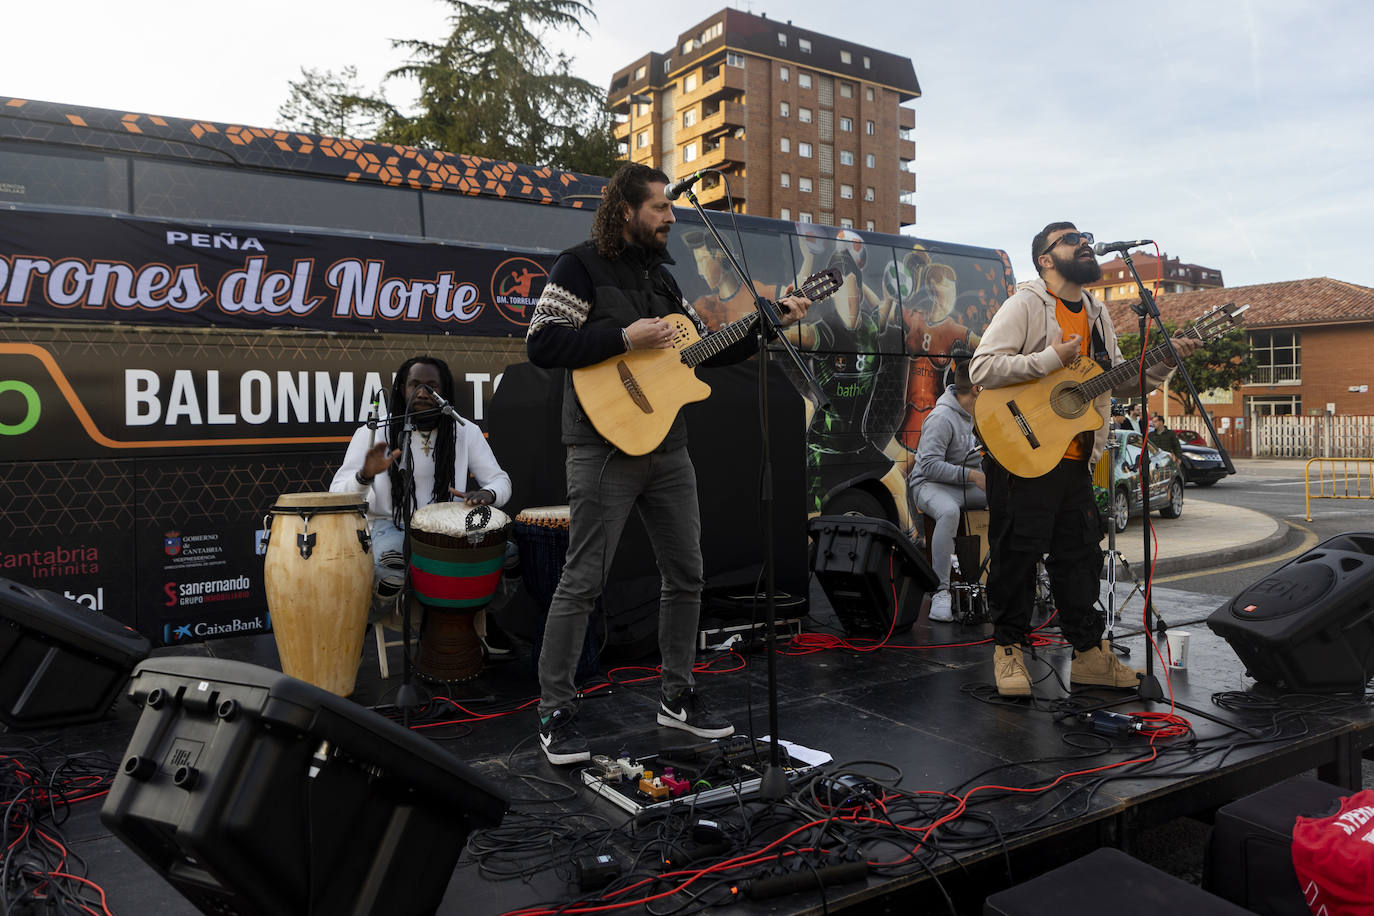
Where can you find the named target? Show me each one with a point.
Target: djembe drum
(318, 578)
(456, 554)
(541, 532)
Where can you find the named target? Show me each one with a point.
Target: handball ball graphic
(899, 282)
(849, 240)
(814, 238)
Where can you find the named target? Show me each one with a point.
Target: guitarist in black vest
(604, 297)
(1046, 325)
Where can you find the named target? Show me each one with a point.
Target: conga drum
(318, 577)
(541, 532)
(456, 555)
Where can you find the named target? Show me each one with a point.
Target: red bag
(1334, 858)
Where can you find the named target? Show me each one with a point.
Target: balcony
(731, 150)
(906, 214)
(906, 117)
(727, 118)
(906, 150)
(729, 82)
(714, 197)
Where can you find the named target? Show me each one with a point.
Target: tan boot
(1100, 667)
(1009, 670)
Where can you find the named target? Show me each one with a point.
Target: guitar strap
(1099, 348)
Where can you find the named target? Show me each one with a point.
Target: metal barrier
(1339, 478)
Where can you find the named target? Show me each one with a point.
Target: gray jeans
(604, 485)
(942, 501)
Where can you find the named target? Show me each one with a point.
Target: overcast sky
(1239, 135)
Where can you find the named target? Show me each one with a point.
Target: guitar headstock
(1216, 321)
(821, 285)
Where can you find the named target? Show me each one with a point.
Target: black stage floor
(917, 721)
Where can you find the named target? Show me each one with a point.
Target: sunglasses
(1070, 238)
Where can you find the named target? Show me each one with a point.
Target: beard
(1076, 270)
(646, 236)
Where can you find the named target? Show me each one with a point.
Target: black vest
(633, 286)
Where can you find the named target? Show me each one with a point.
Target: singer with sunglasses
(1047, 324)
(445, 451)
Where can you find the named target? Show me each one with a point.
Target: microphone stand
(773, 786)
(406, 696)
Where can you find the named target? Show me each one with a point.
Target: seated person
(946, 476)
(443, 452)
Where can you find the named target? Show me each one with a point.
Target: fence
(1338, 478)
(1293, 436)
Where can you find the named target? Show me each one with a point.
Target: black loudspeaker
(60, 662)
(1309, 625)
(873, 574)
(1107, 881)
(256, 794)
(1250, 852)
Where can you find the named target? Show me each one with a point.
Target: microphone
(445, 407)
(1102, 248)
(681, 186)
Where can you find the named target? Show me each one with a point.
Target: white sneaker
(939, 607)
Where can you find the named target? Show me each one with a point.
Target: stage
(955, 793)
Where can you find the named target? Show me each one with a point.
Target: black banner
(71, 267)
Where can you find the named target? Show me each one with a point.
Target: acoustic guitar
(632, 399)
(1028, 426)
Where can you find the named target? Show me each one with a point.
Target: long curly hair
(629, 185)
(446, 436)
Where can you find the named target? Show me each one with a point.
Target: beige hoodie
(1016, 348)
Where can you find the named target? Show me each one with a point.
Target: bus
(197, 315)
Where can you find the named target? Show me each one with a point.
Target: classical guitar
(632, 399)
(1028, 426)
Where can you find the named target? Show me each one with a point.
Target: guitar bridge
(632, 388)
(1022, 425)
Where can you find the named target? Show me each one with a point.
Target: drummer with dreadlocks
(444, 452)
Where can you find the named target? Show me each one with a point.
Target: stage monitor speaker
(1107, 880)
(256, 794)
(1308, 625)
(61, 663)
(873, 574)
(1249, 857)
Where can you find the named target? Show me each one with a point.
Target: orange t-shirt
(1071, 323)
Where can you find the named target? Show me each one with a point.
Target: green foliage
(333, 104)
(1221, 363)
(493, 89)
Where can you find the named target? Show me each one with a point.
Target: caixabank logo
(205, 629)
(516, 284)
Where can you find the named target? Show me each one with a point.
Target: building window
(1277, 356)
(689, 117)
(804, 45)
(868, 65)
(804, 217)
(846, 192)
(846, 90)
(783, 73)
(868, 223)
(667, 64)
(640, 71)
(804, 80)
(641, 139)
(689, 152)
(846, 157)
(804, 185)
(785, 144)
(689, 83)
(784, 109)
(846, 57)
(785, 213)
(846, 223)
(847, 124)
(641, 109)
(870, 128)
(785, 179)
(713, 32)
(782, 39)
(870, 161)
(868, 90)
(804, 150)
(1290, 406)
(804, 115)
(734, 60)
(869, 193)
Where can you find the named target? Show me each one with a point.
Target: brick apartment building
(806, 126)
(1177, 277)
(1311, 340)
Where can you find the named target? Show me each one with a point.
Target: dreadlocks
(446, 438)
(629, 185)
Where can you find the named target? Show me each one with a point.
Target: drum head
(458, 520)
(320, 501)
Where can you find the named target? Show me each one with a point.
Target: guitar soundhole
(1068, 401)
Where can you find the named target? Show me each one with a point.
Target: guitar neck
(1118, 375)
(712, 344)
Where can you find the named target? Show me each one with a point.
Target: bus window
(63, 178)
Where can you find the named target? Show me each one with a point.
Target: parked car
(1202, 466)
(1188, 437)
(1122, 480)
